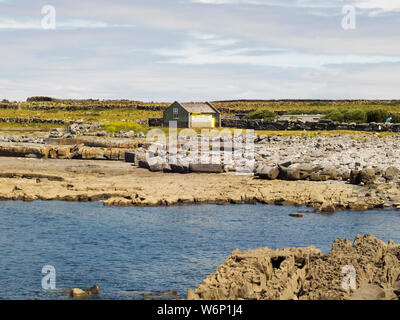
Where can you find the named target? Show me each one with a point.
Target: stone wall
(280, 125)
(8, 106)
(87, 107)
(156, 122)
(44, 121)
(311, 126)
(35, 120)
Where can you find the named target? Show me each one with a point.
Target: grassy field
(113, 120)
(121, 118)
(314, 107)
(105, 115)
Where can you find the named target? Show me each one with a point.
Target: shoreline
(120, 184)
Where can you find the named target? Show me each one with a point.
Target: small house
(192, 115)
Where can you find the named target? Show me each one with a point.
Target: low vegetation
(122, 115)
(360, 116)
(311, 106)
(264, 114)
(115, 127)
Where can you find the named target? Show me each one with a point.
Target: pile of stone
(365, 269)
(21, 139)
(81, 129)
(357, 159)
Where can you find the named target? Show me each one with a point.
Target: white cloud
(212, 49)
(12, 24)
(379, 6)
(31, 24)
(213, 39)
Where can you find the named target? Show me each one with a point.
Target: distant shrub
(335, 115)
(261, 114)
(36, 99)
(378, 116)
(396, 118)
(357, 116)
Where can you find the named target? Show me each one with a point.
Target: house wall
(183, 116)
(203, 120)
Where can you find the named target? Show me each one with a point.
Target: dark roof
(196, 107)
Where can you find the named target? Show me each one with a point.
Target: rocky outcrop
(306, 273)
(62, 152)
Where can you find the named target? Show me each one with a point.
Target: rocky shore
(329, 172)
(367, 269)
(121, 184)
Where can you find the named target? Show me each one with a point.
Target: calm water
(127, 251)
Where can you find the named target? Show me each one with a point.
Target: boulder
(267, 172)
(373, 292)
(326, 207)
(179, 167)
(367, 176)
(355, 177)
(289, 173)
(143, 164)
(391, 173)
(158, 166)
(130, 157)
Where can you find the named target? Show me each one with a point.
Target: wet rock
(296, 214)
(326, 207)
(77, 293)
(155, 294)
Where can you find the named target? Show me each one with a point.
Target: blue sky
(192, 50)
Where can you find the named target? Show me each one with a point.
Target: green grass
(263, 113)
(104, 115)
(27, 126)
(313, 107)
(115, 127)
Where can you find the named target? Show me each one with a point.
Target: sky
(198, 50)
